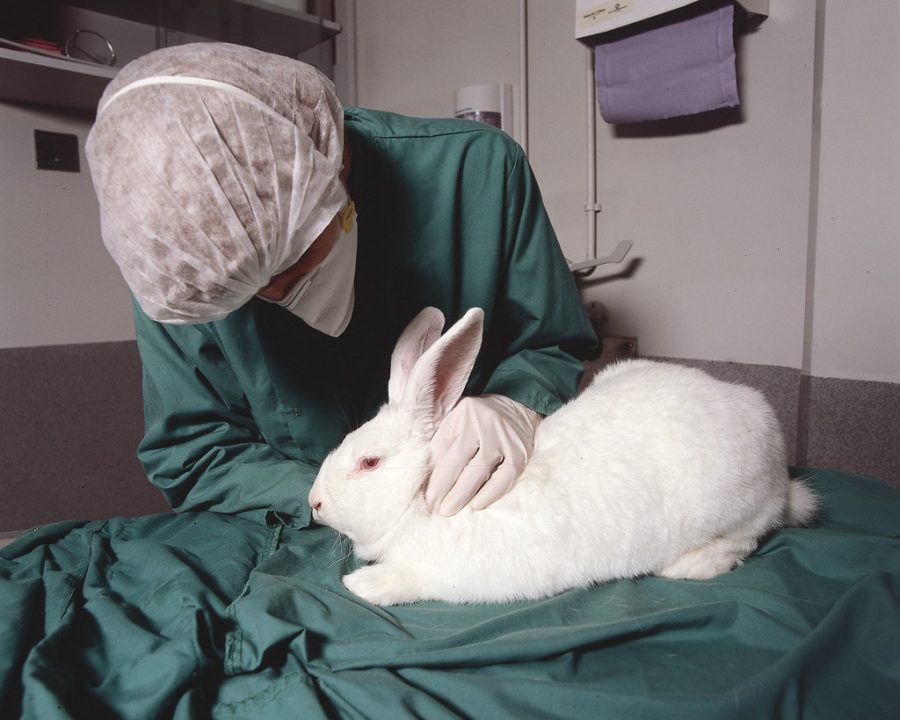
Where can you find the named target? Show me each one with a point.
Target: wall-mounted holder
(593, 17)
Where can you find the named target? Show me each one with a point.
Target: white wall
(856, 301)
(558, 102)
(725, 221)
(58, 286)
(720, 218)
(411, 56)
(57, 283)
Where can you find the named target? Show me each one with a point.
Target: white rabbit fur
(655, 469)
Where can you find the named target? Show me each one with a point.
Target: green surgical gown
(240, 412)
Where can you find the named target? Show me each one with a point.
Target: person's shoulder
(388, 125)
(146, 327)
(444, 141)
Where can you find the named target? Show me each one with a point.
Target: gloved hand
(478, 452)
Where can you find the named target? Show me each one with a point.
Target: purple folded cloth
(680, 68)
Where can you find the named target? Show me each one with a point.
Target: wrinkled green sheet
(199, 615)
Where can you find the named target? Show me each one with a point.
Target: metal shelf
(38, 80)
(35, 79)
(255, 23)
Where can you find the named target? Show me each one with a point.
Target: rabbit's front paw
(382, 584)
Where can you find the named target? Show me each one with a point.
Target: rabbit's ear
(439, 377)
(418, 336)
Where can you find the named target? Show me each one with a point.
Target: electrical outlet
(56, 151)
(597, 314)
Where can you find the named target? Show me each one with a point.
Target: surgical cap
(216, 166)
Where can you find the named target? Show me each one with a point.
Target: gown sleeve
(201, 445)
(539, 319)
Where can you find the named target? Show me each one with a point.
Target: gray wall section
(72, 420)
(70, 423)
(851, 425)
(780, 385)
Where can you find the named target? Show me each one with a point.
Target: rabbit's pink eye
(368, 463)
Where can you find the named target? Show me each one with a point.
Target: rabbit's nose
(315, 500)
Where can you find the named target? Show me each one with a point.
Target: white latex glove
(478, 452)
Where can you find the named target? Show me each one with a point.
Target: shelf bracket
(616, 256)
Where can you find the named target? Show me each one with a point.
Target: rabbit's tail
(802, 504)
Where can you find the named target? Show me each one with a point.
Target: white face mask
(324, 298)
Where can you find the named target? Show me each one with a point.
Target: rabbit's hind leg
(707, 561)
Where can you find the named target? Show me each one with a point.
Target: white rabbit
(655, 469)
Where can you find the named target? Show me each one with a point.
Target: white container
(489, 104)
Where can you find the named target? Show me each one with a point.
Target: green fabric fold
(194, 615)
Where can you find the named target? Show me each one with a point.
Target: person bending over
(275, 245)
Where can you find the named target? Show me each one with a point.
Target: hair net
(216, 166)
